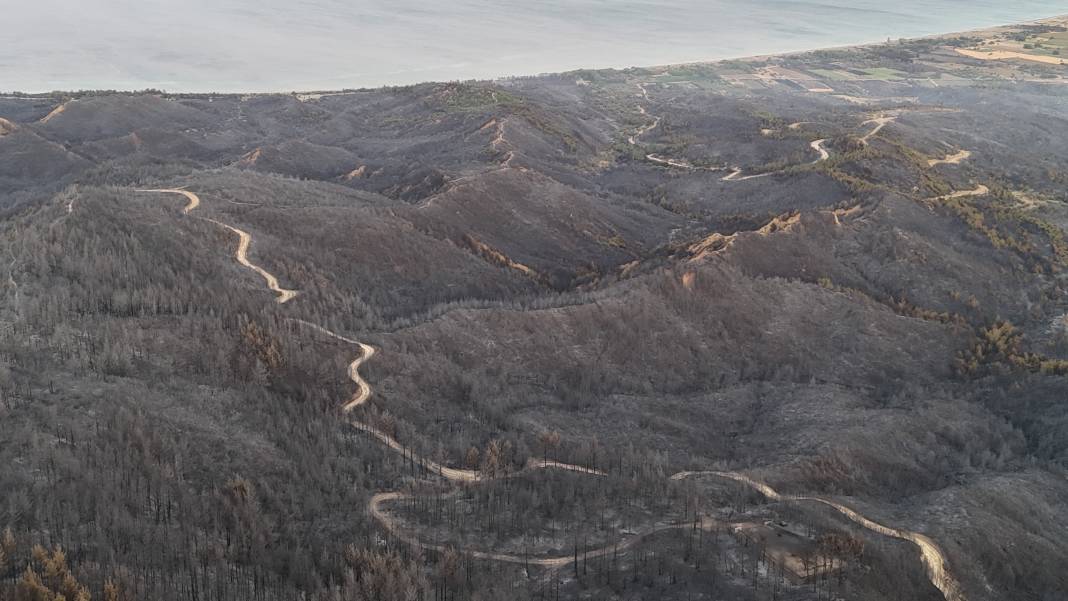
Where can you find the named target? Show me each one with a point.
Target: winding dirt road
(736, 172)
(880, 122)
(736, 175)
(244, 241)
(498, 141)
(678, 164)
(194, 200)
(363, 389)
(817, 145)
(241, 254)
(933, 557)
(633, 140)
(387, 521)
(363, 392)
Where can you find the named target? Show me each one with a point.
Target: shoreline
(311, 93)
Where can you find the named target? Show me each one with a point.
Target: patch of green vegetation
(627, 152)
(1049, 44)
(915, 158)
(1056, 239)
(465, 97)
(833, 168)
(984, 222)
(788, 163)
(829, 55)
(850, 151)
(831, 74)
(599, 76)
(617, 98)
(692, 72)
(546, 124)
(1000, 219)
(996, 215)
(899, 305)
(884, 73)
(961, 42)
(737, 65)
(768, 120)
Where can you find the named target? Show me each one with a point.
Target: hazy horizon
(250, 46)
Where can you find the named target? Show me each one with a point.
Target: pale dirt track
(678, 164)
(56, 111)
(952, 159)
(7, 127)
(978, 191)
(736, 173)
(194, 200)
(498, 141)
(560, 561)
(363, 389)
(818, 147)
(932, 555)
(880, 123)
(241, 253)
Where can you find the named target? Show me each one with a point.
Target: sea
(302, 45)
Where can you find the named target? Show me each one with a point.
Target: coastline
(983, 31)
(1059, 19)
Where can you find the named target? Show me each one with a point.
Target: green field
(884, 73)
(832, 74)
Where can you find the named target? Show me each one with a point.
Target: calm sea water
(283, 45)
